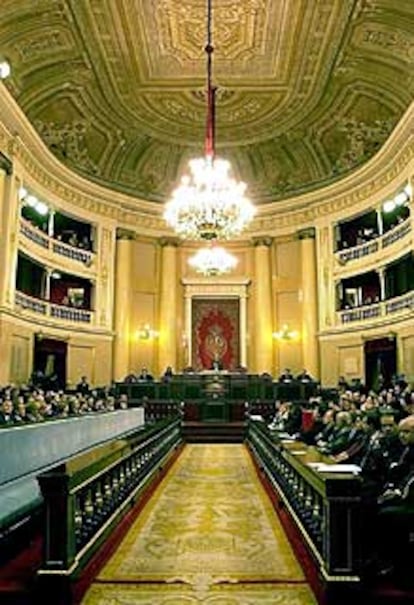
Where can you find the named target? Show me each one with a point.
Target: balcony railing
(49, 243)
(48, 309)
(404, 302)
(31, 304)
(395, 234)
(358, 252)
(401, 304)
(381, 242)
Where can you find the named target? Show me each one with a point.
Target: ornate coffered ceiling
(308, 90)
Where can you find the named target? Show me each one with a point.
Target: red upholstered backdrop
(215, 333)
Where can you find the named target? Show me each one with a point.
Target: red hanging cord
(211, 91)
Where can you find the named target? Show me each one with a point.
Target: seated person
(130, 378)
(338, 440)
(304, 376)
(83, 386)
(396, 509)
(6, 413)
(145, 375)
(342, 384)
(286, 376)
(168, 374)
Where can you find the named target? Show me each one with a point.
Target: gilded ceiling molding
(35, 163)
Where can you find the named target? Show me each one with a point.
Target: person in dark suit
(168, 374)
(145, 376)
(396, 510)
(286, 376)
(83, 386)
(130, 378)
(304, 376)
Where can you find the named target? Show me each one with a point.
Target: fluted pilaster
(310, 347)
(263, 305)
(122, 323)
(167, 353)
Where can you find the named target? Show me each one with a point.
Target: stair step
(214, 432)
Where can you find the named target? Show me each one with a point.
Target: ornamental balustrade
(86, 496)
(379, 243)
(399, 305)
(48, 309)
(324, 506)
(49, 243)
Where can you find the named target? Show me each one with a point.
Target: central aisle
(208, 535)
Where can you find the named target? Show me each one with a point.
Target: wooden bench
(26, 451)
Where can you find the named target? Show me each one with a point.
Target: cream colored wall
(343, 353)
(86, 355)
(17, 342)
(91, 357)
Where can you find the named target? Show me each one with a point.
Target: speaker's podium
(215, 407)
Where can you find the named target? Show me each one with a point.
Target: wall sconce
(286, 334)
(146, 333)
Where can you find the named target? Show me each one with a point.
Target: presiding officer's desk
(194, 389)
(324, 505)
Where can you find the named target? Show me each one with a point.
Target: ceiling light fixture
(212, 260)
(5, 69)
(209, 204)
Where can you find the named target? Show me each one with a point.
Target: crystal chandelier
(212, 261)
(209, 204)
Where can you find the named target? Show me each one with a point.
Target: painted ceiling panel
(307, 91)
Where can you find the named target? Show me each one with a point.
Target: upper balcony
(54, 251)
(378, 250)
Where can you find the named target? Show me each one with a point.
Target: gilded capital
(169, 241)
(5, 164)
(308, 233)
(264, 240)
(125, 234)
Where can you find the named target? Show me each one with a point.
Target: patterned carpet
(208, 535)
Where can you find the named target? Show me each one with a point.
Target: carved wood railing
(86, 496)
(324, 506)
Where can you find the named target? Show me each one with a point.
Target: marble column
(122, 308)
(310, 346)
(167, 351)
(263, 324)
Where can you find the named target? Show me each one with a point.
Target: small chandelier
(209, 204)
(212, 261)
